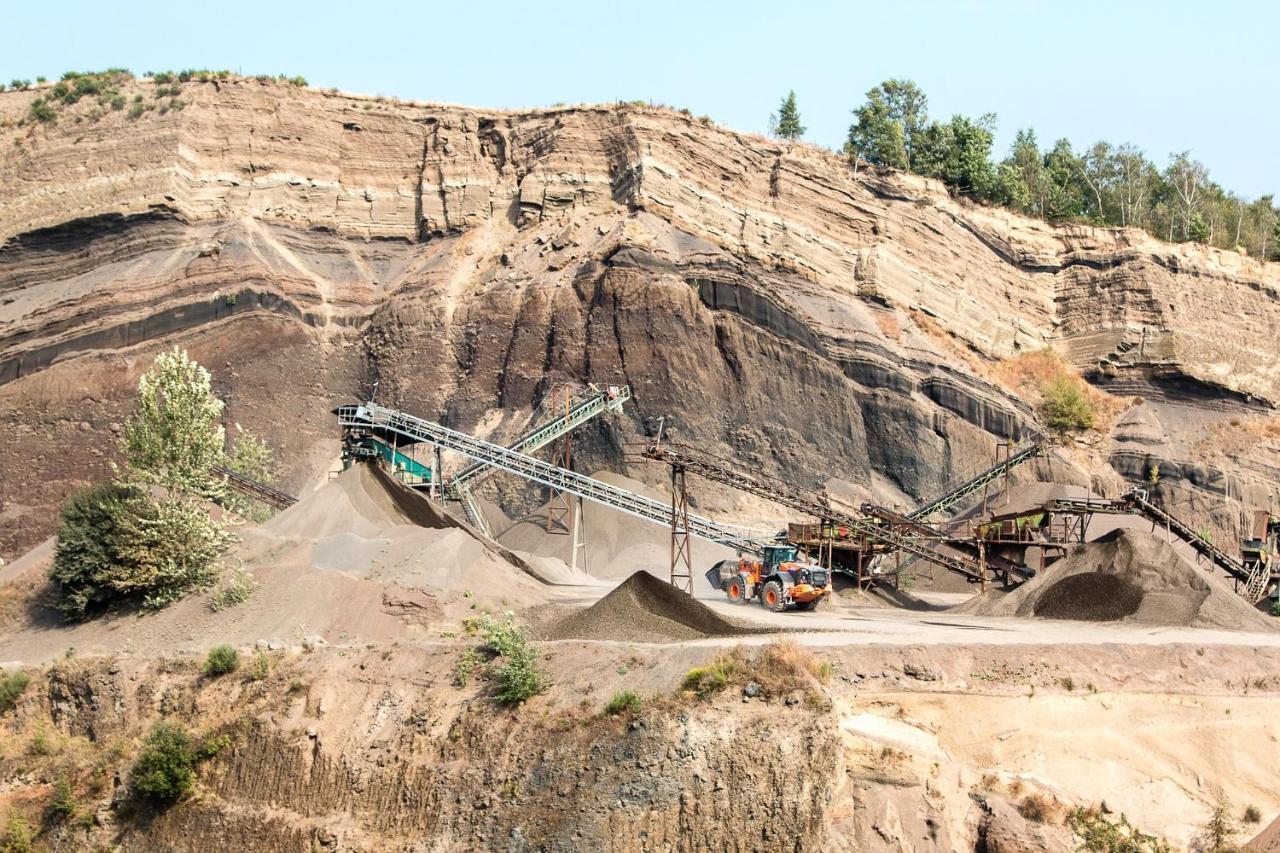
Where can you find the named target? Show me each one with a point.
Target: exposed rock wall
(766, 299)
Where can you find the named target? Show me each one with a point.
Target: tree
(91, 547)
(875, 136)
(1135, 176)
(175, 436)
(148, 535)
(959, 152)
(786, 124)
(1188, 180)
(1263, 224)
(1066, 199)
(1025, 158)
(1099, 171)
(890, 125)
(908, 106)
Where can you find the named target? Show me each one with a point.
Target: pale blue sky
(1164, 75)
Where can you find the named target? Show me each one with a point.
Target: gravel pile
(643, 609)
(1128, 575)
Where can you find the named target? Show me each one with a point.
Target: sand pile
(644, 609)
(366, 525)
(1127, 575)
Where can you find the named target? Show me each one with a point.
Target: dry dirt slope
(773, 306)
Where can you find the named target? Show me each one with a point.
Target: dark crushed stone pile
(643, 609)
(1127, 575)
(1090, 597)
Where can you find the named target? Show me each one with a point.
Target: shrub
(714, 677)
(784, 665)
(259, 668)
(17, 835)
(235, 588)
(41, 79)
(1065, 409)
(1098, 834)
(117, 543)
(221, 660)
(11, 687)
(515, 670)
(623, 701)
(1252, 814)
(1035, 807)
(135, 111)
(41, 111)
(165, 771)
(164, 77)
(1275, 608)
(468, 662)
(1218, 832)
(63, 805)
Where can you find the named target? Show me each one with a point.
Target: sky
(1166, 76)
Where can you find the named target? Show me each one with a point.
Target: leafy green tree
(1026, 161)
(175, 435)
(876, 136)
(1188, 179)
(786, 124)
(1066, 200)
(148, 536)
(171, 549)
(959, 152)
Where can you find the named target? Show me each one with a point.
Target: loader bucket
(714, 578)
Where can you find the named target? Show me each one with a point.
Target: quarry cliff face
(772, 304)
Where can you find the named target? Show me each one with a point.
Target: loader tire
(771, 597)
(808, 605)
(736, 589)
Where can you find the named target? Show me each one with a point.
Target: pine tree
(786, 124)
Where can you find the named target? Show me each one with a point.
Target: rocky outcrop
(765, 299)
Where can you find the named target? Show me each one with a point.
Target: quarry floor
(838, 623)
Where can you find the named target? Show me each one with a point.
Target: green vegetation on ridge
(1103, 185)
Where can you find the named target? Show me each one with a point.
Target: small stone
(751, 690)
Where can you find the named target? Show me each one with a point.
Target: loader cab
(775, 555)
